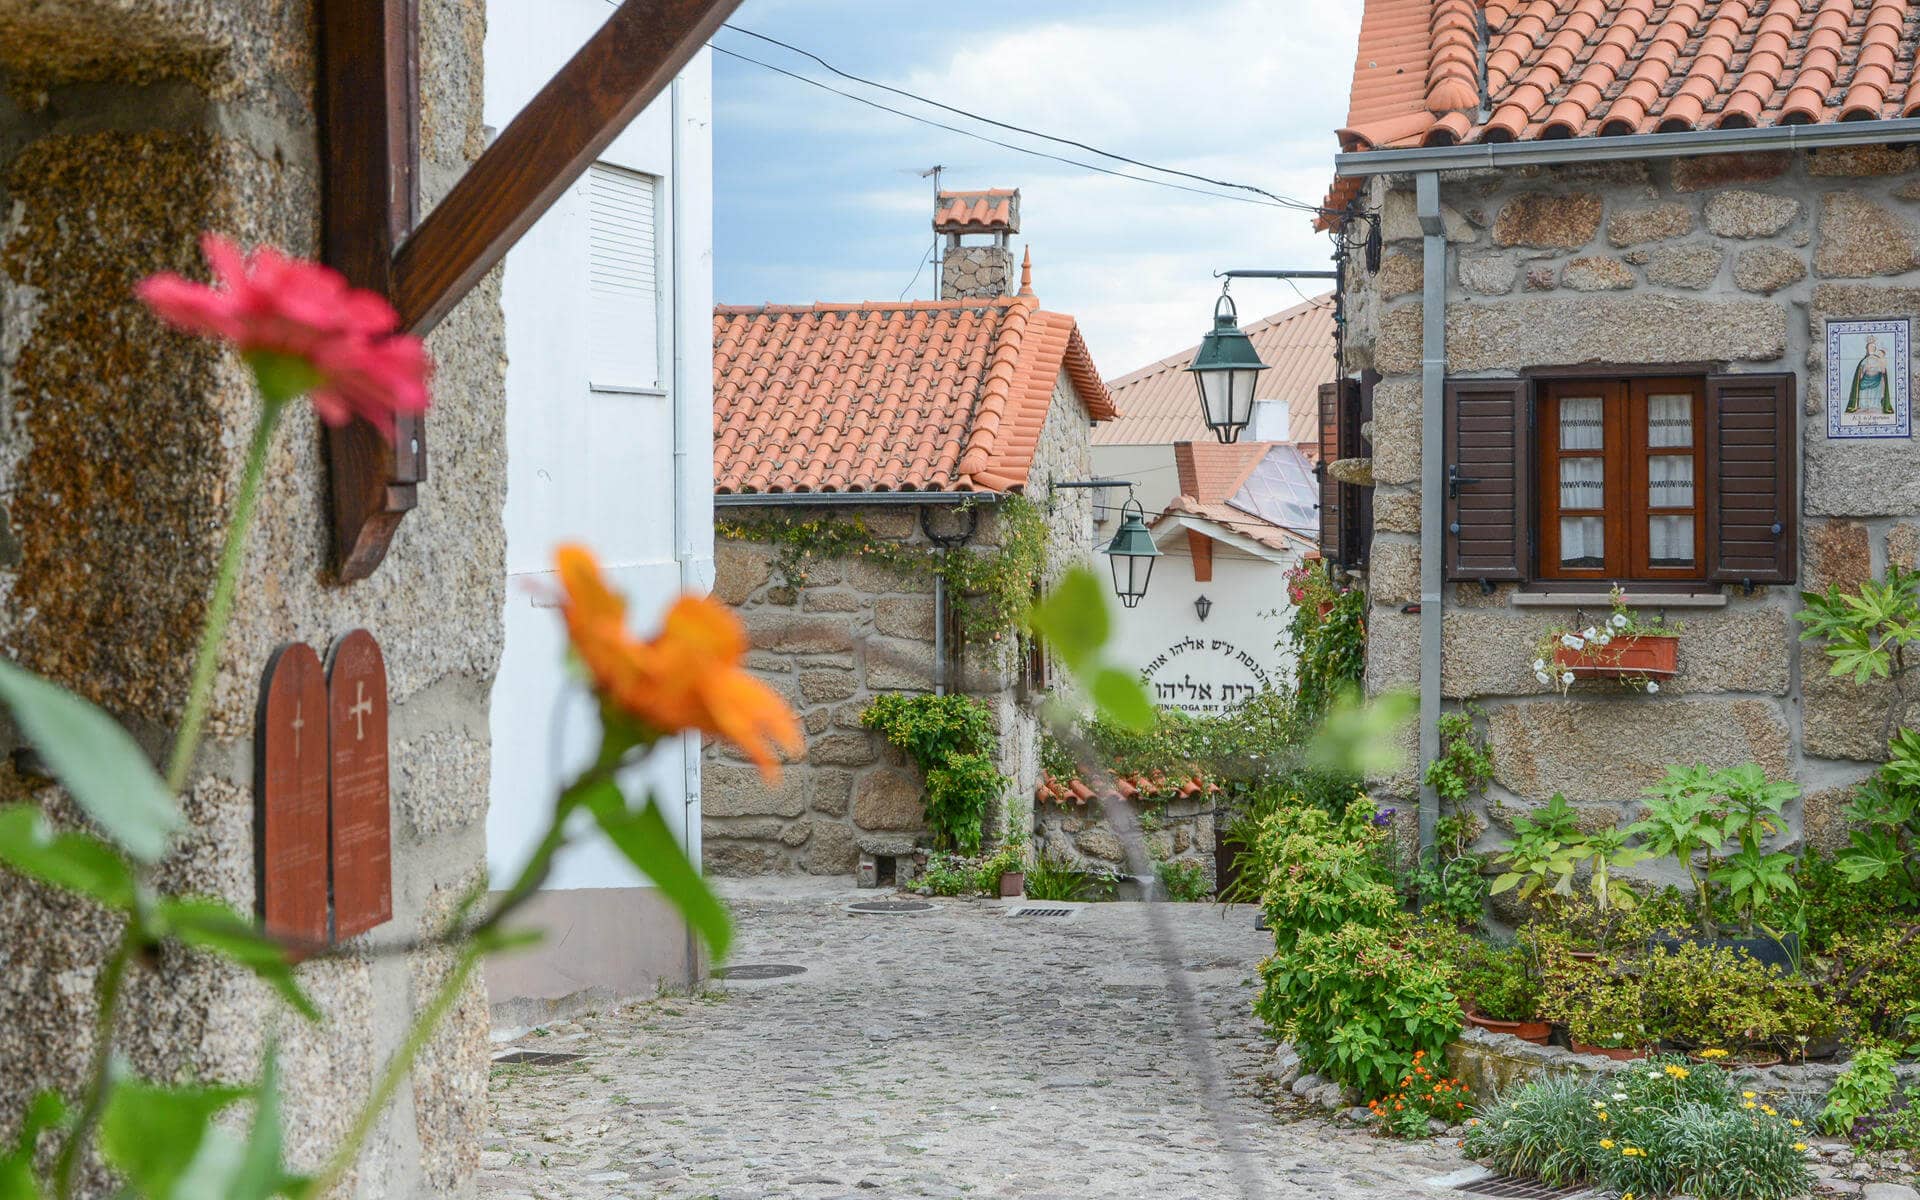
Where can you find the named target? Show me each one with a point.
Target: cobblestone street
(953, 1053)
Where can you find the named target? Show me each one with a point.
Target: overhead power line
(1257, 195)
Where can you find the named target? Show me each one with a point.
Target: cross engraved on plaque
(362, 814)
(290, 786)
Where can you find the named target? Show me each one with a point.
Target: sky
(817, 197)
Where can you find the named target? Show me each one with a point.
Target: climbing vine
(989, 587)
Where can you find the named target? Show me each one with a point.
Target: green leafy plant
(1753, 877)
(1862, 1090)
(1421, 1098)
(1465, 764)
(1709, 997)
(1874, 982)
(1329, 647)
(1183, 881)
(1545, 848)
(1683, 823)
(1898, 1126)
(1500, 982)
(1885, 843)
(950, 738)
(1053, 877)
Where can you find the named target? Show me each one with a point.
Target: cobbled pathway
(955, 1053)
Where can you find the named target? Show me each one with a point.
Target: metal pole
(1433, 382)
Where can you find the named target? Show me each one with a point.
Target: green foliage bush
(1183, 882)
(950, 738)
(1501, 982)
(1054, 878)
(1706, 996)
(1329, 649)
(1661, 1128)
(1862, 1090)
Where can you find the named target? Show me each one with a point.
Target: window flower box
(1637, 656)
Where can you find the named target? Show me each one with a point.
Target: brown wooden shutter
(1356, 504)
(1488, 482)
(1751, 457)
(1332, 531)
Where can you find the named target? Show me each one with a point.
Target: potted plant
(1638, 653)
(1602, 1004)
(1502, 992)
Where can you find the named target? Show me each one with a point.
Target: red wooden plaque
(291, 786)
(362, 816)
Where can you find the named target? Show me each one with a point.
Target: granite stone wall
(125, 130)
(1086, 836)
(854, 629)
(1731, 261)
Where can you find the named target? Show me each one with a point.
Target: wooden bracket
(369, 112)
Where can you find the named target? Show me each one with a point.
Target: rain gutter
(814, 499)
(1433, 380)
(1627, 146)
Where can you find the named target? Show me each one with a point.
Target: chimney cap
(993, 210)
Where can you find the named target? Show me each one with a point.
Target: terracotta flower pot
(1536, 1032)
(1654, 655)
(1012, 883)
(1617, 1053)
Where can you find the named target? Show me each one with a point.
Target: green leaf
(77, 862)
(1121, 698)
(93, 757)
(212, 926)
(17, 1182)
(644, 837)
(1504, 883)
(1073, 618)
(160, 1139)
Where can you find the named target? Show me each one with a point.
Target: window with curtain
(1618, 460)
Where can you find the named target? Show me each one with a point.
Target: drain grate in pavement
(1041, 912)
(758, 971)
(1509, 1188)
(889, 908)
(539, 1058)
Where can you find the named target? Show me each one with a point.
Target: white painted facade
(608, 303)
(1205, 667)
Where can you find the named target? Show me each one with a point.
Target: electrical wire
(1072, 162)
(922, 266)
(1288, 201)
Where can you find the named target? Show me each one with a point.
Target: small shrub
(1539, 1131)
(1421, 1097)
(1600, 1003)
(1706, 996)
(1898, 1127)
(946, 875)
(1500, 982)
(1862, 1090)
(1054, 878)
(950, 738)
(1183, 881)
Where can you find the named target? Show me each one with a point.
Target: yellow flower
(1769, 1110)
(1601, 1115)
(1632, 1152)
(1712, 1054)
(1677, 1071)
(1796, 1122)
(1606, 1143)
(1626, 1196)
(1746, 1095)
(1800, 1146)
(1749, 1104)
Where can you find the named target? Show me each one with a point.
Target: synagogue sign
(1204, 675)
(362, 834)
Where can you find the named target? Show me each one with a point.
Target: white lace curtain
(1583, 541)
(1582, 423)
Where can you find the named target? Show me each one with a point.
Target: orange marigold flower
(687, 677)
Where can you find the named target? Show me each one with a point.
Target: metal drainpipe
(682, 453)
(940, 627)
(1433, 378)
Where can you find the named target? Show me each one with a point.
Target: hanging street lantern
(1225, 368)
(1201, 607)
(1132, 553)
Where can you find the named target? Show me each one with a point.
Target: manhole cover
(889, 908)
(758, 971)
(1041, 912)
(538, 1058)
(1509, 1188)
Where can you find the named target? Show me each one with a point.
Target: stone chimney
(982, 269)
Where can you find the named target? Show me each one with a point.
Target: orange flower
(688, 677)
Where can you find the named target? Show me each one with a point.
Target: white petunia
(1619, 620)
(1567, 678)
(1652, 686)
(1539, 664)
(1572, 641)
(1543, 677)
(1589, 633)
(1603, 640)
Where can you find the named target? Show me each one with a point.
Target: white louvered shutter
(623, 280)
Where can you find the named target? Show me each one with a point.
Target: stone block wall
(976, 273)
(1084, 836)
(125, 130)
(1731, 261)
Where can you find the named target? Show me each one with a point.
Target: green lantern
(1131, 553)
(1225, 369)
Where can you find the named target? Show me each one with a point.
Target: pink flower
(302, 329)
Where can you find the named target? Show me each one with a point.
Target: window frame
(1626, 478)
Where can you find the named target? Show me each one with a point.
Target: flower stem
(397, 1069)
(214, 632)
(97, 1082)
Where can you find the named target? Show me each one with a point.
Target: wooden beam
(622, 68)
(369, 121)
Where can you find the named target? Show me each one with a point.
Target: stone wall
(1085, 836)
(852, 630)
(125, 130)
(976, 272)
(1732, 261)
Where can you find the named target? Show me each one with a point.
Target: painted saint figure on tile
(1868, 378)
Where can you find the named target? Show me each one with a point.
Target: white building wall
(623, 465)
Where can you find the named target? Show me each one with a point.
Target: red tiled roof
(929, 395)
(1160, 405)
(1159, 785)
(1211, 478)
(985, 211)
(1587, 68)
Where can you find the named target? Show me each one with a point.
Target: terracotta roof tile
(932, 395)
(1599, 68)
(988, 211)
(1159, 785)
(1159, 405)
